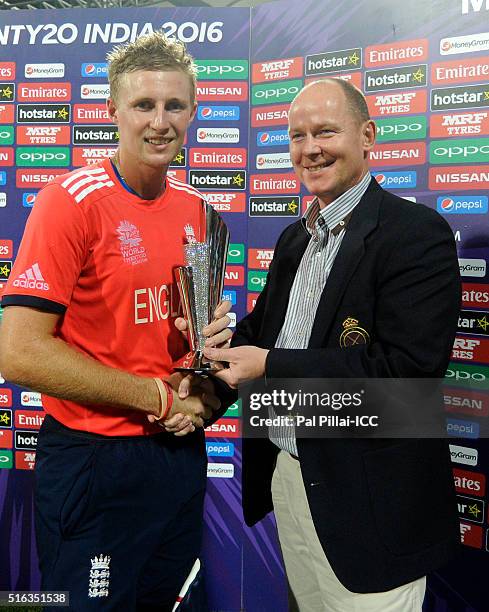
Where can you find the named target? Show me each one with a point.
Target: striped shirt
(327, 228)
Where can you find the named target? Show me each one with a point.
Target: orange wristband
(168, 397)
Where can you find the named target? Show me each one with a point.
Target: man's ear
(369, 133)
(112, 111)
(193, 113)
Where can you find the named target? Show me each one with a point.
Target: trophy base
(195, 363)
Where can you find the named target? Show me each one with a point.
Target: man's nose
(159, 120)
(311, 145)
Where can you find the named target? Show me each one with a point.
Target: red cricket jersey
(103, 258)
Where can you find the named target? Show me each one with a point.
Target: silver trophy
(200, 284)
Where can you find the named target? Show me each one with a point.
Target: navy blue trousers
(118, 520)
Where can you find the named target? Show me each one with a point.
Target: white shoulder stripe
(81, 174)
(88, 179)
(184, 187)
(82, 194)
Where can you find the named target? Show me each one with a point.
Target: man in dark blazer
(376, 515)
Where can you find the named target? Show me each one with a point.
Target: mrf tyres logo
(274, 207)
(226, 180)
(43, 113)
(403, 77)
(466, 96)
(345, 60)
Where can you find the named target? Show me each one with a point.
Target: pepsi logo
(380, 178)
(265, 137)
(447, 204)
(89, 69)
(30, 199)
(206, 112)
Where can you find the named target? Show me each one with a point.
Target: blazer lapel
(363, 220)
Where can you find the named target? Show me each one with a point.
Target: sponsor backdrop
(424, 68)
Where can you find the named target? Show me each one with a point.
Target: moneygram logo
(7, 135)
(401, 103)
(208, 135)
(44, 92)
(28, 200)
(274, 207)
(268, 161)
(345, 60)
(396, 180)
(271, 115)
(7, 70)
(222, 69)
(218, 113)
(462, 205)
(220, 470)
(3, 201)
(396, 78)
(275, 70)
(94, 92)
(218, 157)
(472, 267)
(94, 134)
(38, 156)
(464, 455)
(396, 53)
(398, 155)
(464, 44)
(43, 113)
(468, 96)
(7, 92)
(275, 138)
(459, 152)
(402, 128)
(459, 177)
(44, 71)
(226, 180)
(459, 124)
(217, 91)
(94, 69)
(284, 91)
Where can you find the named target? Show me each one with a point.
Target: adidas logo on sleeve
(32, 279)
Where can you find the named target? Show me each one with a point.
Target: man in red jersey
(92, 302)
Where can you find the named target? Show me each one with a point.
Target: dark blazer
(384, 510)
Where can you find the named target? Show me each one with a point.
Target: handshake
(191, 399)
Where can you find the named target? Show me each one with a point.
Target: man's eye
(174, 106)
(145, 105)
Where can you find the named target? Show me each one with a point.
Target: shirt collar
(337, 214)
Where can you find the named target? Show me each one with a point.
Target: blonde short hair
(150, 52)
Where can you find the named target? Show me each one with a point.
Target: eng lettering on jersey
(156, 304)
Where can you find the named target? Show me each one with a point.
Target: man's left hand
(245, 363)
(217, 333)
